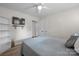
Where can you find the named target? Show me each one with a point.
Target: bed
(46, 46)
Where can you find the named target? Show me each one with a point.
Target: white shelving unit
(5, 34)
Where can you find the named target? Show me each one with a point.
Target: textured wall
(61, 24)
(19, 33)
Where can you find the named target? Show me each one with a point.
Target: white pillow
(76, 45)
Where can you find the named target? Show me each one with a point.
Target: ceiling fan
(39, 6)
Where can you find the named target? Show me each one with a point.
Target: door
(34, 28)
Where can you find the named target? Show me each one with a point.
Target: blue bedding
(46, 46)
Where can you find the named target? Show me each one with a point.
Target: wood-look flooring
(15, 51)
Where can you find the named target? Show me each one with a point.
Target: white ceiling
(27, 8)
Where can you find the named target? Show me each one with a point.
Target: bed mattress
(46, 46)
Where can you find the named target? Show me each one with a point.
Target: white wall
(61, 24)
(19, 33)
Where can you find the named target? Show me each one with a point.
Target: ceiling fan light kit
(39, 7)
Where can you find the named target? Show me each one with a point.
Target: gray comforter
(46, 46)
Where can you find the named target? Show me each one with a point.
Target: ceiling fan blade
(45, 7)
(31, 6)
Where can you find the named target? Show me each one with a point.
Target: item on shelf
(18, 22)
